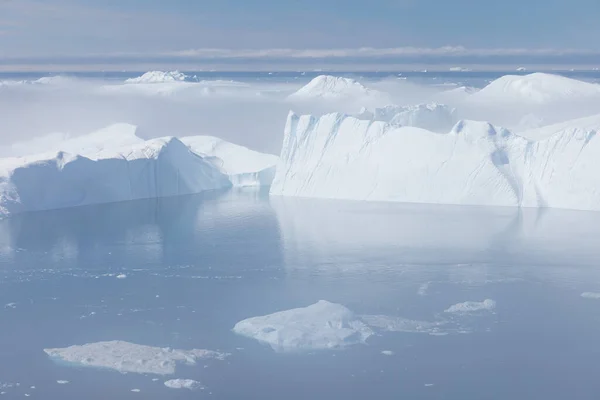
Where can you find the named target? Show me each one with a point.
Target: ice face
(476, 163)
(130, 357)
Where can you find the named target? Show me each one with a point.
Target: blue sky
(127, 31)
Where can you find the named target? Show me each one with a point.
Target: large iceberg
(127, 357)
(336, 156)
(320, 326)
(114, 164)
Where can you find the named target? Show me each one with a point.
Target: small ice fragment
(11, 305)
(155, 379)
(387, 353)
(590, 295)
(62, 382)
(32, 387)
(472, 306)
(136, 390)
(428, 384)
(183, 384)
(121, 276)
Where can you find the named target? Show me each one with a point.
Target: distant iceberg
(183, 384)
(341, 157)
(535, 89)
(127, 357)
(158, 77)
(472, 306)
(335, 88)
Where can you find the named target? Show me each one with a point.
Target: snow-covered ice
(332, 87)
(158, 77)
(189, 384)
(320, 326)
(472, 306)
(130, 357)
(387, 353)
(121, 276)
(476, 163)
(114, 164)
(590, 295)
(62, 382)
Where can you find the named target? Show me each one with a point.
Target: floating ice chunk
(121, 276)
(387, 353)
(399, 324)
(11, 305)
(423, 289)
(472, 306)
(184, 384)
(136, 390)
(323, 325)
(590, 295)
(129, 357)
(60, 382)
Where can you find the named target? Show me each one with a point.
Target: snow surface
(183, 384)
(434, 117)
(114, 164)
(472, 306)
(337, 156)
(320, 326)
(158, 77)
(130, 357)
(537, 88)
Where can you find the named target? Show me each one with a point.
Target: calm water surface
(197, 265)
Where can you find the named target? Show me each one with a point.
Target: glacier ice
(476, 163)
(114, 164)
(158, 77)
(320, 326)
(130, 357)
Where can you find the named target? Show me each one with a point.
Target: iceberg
(127, 357)
(114, 164)
(434, 117)
(320, 326)
(535, 89)
(158, 77)
(334, 88)
(341, 157)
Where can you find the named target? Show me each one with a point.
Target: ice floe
(183, 384)
(130, 357)
(472, 306)
(323, 325)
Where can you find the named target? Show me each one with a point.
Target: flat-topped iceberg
(114, 164)
(476, 163)
(127, 357)
(320, 326)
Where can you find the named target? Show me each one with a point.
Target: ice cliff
(434, 117)
(336, 156)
